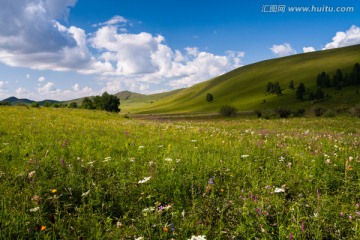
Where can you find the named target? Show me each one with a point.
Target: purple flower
(291, 236)
(341, 214)
(258, 211)
(211, 181)
(302, 227)
(62, 162)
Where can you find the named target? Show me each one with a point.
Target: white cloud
(21, 91)
(116, 20)
(41, 79)
(283, 50)
(309, 49)
(343, 39)
(35, 39)
(27, 76)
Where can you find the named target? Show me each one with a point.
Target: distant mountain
(16, 101)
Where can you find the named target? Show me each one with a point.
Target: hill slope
(245, 87)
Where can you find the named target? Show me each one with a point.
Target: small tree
(300, 91)
(291, 85)
(319, 94)
(209, 97)
(228, 111)
(35, 105)
(87, 104)
(73, 105)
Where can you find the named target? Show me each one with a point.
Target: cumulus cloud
(283, 50)
(343, 39)
(32, 36)
(308, 49)
(41, 79)
(144, 58)
(21, 91)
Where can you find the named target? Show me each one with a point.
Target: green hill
(245, 87)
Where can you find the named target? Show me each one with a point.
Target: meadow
(78, 174)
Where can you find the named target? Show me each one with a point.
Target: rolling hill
(245, 87)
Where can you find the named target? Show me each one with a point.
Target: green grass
(245, 87)
(215, 178)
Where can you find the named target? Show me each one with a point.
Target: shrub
(355, 111)
(300, 112)
(209, 97)
(318, 111)
(329, 113)
(35, 105)
(258, 113)
(228, 111)
(283, 112)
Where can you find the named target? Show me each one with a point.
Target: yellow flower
(53, 190)
(222, 190)
(165, 229)
(43, 228)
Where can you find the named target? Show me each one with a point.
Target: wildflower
(341, 214)
(222, 190)
(279, 190)
(149, 209)
(62, 162)
(244, 156)
(211, 181)
(53, 190)
(118, 224)
(168, 159)
(200, 237)
(291, 236)
(42, 228)
(31, 175)
(91, 163)
(193, 140)
(34, 209)
(183, 213)
(328, 161)
(85, 193)
(165, 229)
(141, 147)
(302, 227)
(350, 158)
(107, 159)
(350, 217)
(144, 180)
(160, 146)
(139, 238)
(132, 159)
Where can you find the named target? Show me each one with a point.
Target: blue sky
(65, 49)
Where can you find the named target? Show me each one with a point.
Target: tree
(300, 91)
(291, 85)
(319, 94)
(270, 87)
(35, 105)
(209, 97)
(87, 104)
(47, 104)
(228, 111)
(55, 105)
(73, 105)
(110, 103)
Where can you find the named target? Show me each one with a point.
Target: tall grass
(92, 175)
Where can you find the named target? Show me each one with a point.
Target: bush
(258, 113)
(355, 111)
(283, 112)
(329, 113)
(299, 112)
(318, 111)
(209, 97)
(228, 111)
(35, 105)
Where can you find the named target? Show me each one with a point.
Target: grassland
(244, 87)
(76, 174)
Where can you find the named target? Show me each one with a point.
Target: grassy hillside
(244, 87)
